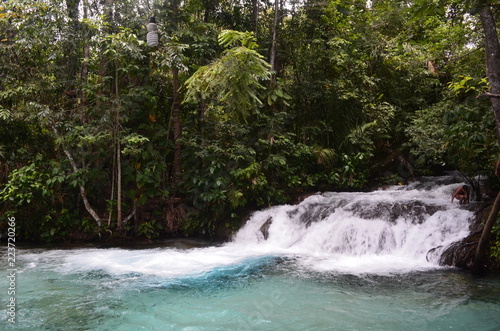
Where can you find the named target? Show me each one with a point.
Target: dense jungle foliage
(242, 105)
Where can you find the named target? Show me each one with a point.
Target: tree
(492, 51)
(233, 81)
(206, 122)
(484, 10)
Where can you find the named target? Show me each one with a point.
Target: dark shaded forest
(240, 105)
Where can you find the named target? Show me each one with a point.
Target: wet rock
(416, 211)
(461, 254)
(265, 228)
(318, 212)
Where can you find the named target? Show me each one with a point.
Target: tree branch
(83, 194)
(489, 95)
(132, 213)
(456, 58)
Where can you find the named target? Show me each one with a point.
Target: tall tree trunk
(177, 128)
(177, 166)
(108, 10)
(255, 10)
(209, 8)
(119, 221)
(73, 12)
(272, 57)
(84, 73)
(112, 195)
(478, 265)
(492, 50)
(108, 13)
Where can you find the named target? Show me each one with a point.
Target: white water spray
(378, 232)
(381, 232)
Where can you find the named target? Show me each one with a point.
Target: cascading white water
(342, 261)
(382, 232)
(389, 230)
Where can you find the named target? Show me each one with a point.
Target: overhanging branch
(489, 95)
(83, 194)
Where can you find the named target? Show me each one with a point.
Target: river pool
(336, 261)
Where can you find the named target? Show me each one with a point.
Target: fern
(230, 38)
(234, 80)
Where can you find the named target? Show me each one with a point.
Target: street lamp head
(152, 36)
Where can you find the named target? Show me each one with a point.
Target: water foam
(390, 231)
(386, 231)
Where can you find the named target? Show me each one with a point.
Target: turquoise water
(259, 293)
(337, 261)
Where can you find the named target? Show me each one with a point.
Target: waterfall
(343, 261)
(401, 228)
(398, 230)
